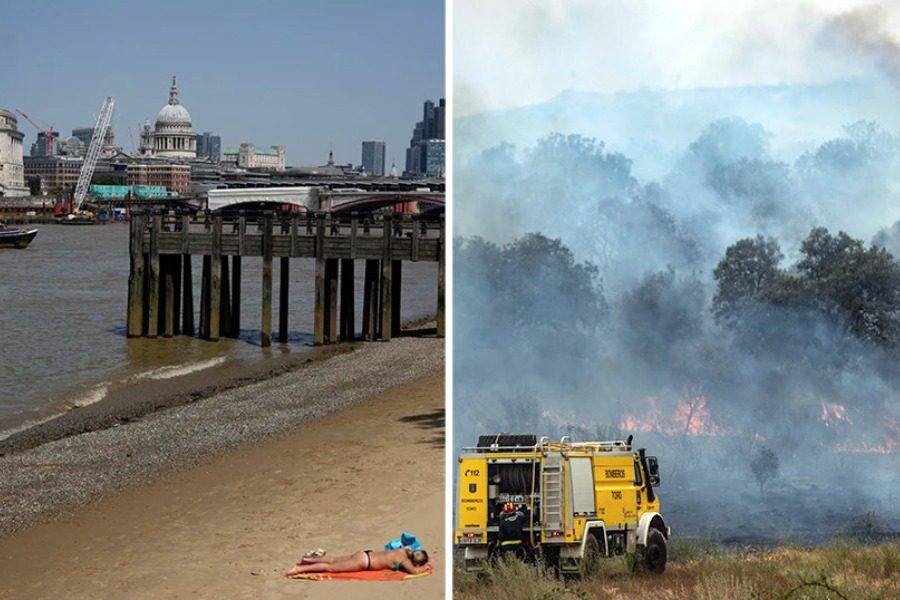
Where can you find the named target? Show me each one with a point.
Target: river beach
(217, 497)
(63, 315)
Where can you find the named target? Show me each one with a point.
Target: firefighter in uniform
(511, 535)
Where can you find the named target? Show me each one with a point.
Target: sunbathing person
(403, 559)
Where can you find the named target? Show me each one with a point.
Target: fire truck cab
(581, 500)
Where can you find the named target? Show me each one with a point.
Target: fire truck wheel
(655, 552)
(591, 559)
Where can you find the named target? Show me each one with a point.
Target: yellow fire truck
(580, 500)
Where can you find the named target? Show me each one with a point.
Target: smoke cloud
(583, 306)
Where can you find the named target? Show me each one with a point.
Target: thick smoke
(863, 30)
(584, 306)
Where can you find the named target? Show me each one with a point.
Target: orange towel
(382, 575)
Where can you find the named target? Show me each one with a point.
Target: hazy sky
(538, 49)
(302, 74)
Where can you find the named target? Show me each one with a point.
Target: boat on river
(78, 218)
(11, 237)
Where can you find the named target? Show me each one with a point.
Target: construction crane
(48, 133)
(93, 153)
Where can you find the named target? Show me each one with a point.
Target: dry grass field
(698, 570)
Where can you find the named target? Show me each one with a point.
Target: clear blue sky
(304, 74)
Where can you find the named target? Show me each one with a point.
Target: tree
(728, 140)
(824, 252)
(34, 185)
(864, 289)
(542, 288)
(749, 267)
(764, 467)
(857, 286)
(661, 315)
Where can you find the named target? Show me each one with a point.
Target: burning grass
(699, 569)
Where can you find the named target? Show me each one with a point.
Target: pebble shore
(49, 479)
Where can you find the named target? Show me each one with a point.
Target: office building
(209, 146)
(425, 155)
(373, 157)
(248, 156)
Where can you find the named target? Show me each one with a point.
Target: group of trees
(854, 287)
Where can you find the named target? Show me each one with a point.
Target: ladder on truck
(93, 153)
(552, 492)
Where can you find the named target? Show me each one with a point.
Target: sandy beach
(218, 498)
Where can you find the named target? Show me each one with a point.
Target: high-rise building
(373, 157)
(86, 133)
(46, 144)
(209, 146)
(425, 155)
(433, 157)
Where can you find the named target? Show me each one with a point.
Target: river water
(63, 311)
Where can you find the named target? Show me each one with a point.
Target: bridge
(312, 198)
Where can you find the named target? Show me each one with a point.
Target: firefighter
(511, 535)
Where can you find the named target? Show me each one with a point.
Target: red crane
(48, 133)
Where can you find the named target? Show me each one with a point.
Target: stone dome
(173, 115)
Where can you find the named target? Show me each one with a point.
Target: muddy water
(62, 319)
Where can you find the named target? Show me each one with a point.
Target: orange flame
(833, 414)
(690, 417)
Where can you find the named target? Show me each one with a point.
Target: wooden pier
(163, 247)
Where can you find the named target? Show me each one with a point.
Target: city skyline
(311, 77)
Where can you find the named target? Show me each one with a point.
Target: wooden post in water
(370, 301)
(348, 308)
(236, 294)
(387, 287)
(169, 297)
(176, 293)
(204, 298)
(136, 276)
(331, 300)
(440, 293)
(266, 325)
(284, 274)
(153, 299)
(215, 287)
(319, 319)
(396, 280)
(187, 290)
(225, 322)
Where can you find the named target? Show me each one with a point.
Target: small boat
(15, 238)
(79, 218)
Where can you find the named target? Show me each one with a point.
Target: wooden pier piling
(160, 282)
(266, 325)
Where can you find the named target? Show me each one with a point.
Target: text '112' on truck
(569, 503)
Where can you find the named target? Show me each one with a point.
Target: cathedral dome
(173, 115)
